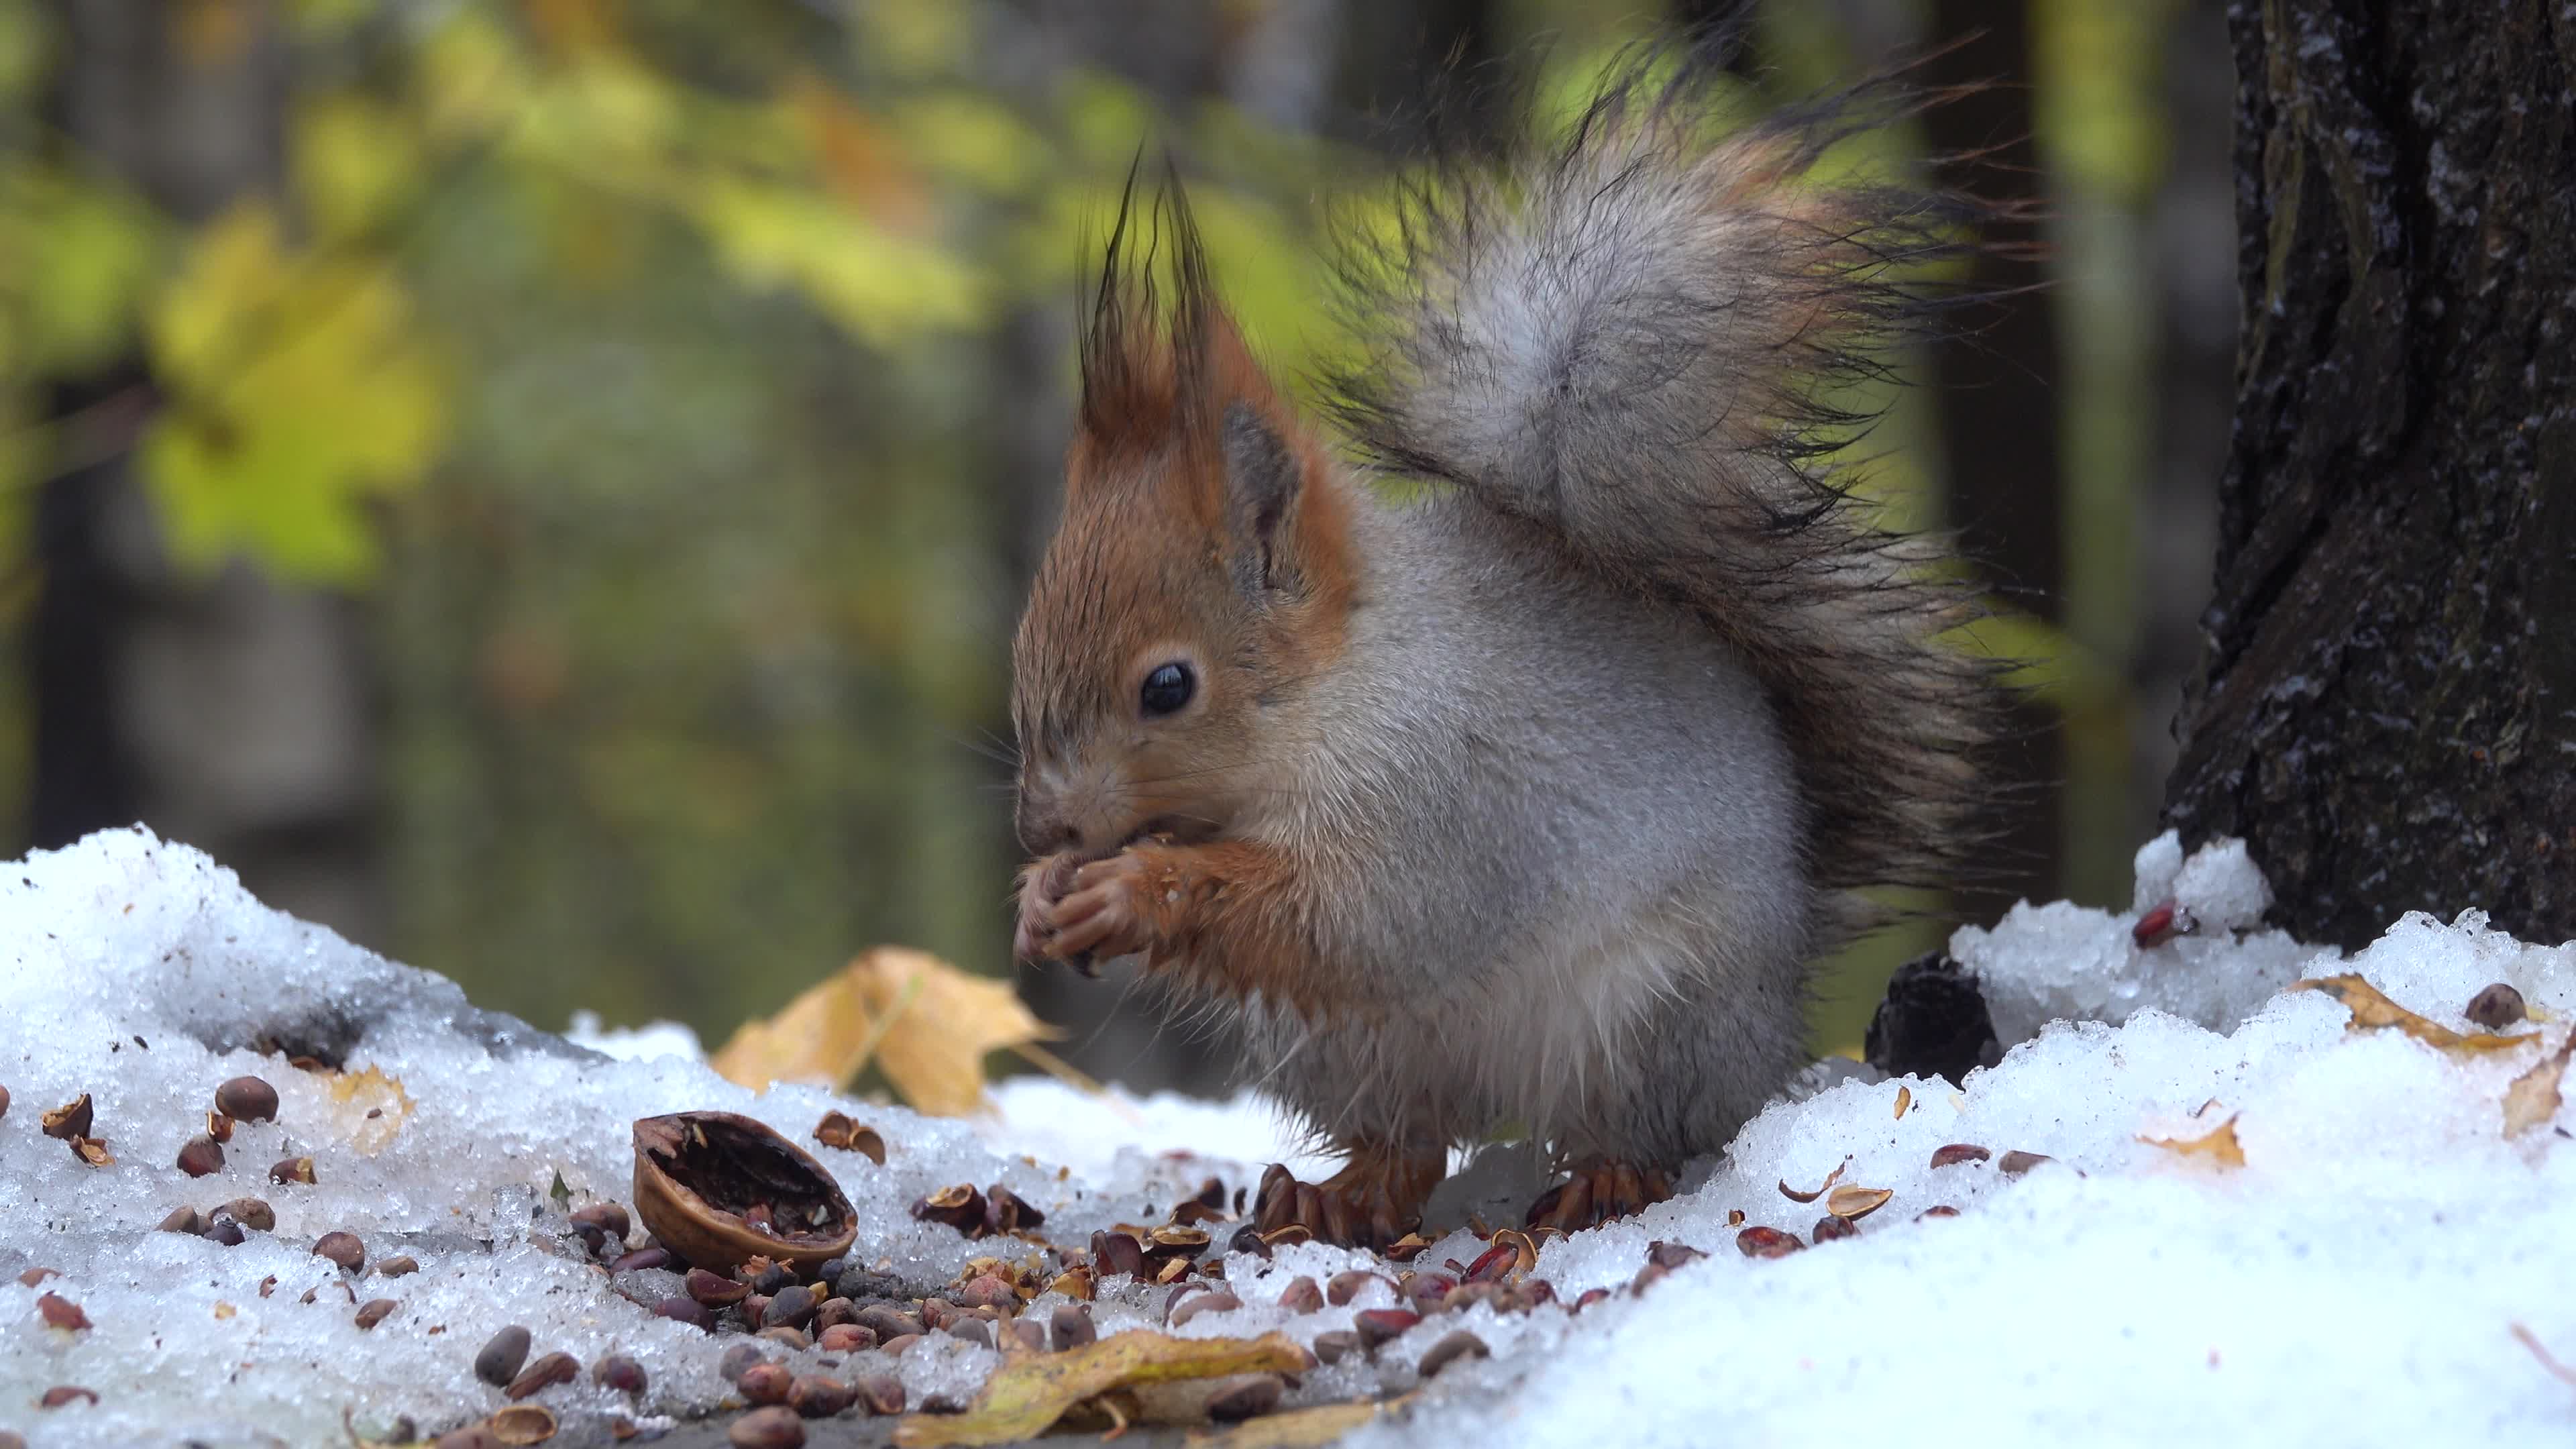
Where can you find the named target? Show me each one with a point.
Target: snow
(2356, 1281)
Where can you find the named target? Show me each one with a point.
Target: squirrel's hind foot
(1371, 1203)
(1598, 1192)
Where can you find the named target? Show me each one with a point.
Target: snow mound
(2359, 1279)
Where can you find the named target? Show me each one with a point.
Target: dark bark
(1995, 397)
(2387, 706)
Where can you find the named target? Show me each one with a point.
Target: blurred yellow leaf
(927, 1025)
(78, 255)
(884, 289)
(354, 160)
(1025, 1396)
(1299, 1428)
(297, 394)
(861, 162)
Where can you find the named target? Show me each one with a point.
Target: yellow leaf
(884, 288)
(354, 161)
(927, 1024)
(1024, 1397)
(2220, 1147)
(1298, 1428)
(2372, 1011)
(2533, 1098)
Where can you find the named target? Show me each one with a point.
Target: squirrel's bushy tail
(1638, 329)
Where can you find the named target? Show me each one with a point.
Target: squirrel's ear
(1263, 477)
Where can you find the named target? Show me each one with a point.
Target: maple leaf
(926, 1024)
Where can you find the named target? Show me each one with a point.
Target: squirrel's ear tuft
(1263, 477)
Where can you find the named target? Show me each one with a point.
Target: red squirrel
(1519, 796)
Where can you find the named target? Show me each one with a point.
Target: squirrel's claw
(1597, 1193)
(1369, 1204)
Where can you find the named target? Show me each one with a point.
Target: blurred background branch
(543, 486)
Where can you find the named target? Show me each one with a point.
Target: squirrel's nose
(1044, 828)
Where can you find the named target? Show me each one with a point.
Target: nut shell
(697, 1172)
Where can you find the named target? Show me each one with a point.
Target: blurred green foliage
(654, 371)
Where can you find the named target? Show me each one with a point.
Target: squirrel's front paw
(1042, 884)
(1107, 913)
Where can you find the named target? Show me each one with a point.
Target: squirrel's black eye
(1166, 689)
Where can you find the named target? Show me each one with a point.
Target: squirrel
(1498, 749)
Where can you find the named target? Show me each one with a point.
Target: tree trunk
(2386, 709)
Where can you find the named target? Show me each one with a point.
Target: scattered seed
(1343, 1287)
(1587, 1298)
(960, 1207)
(62, 1394)
(247, 1099)
(837, 1130)
(1958, 1152)
(225, 1231)
(1190, 1308)
(2015, 1163)
(1856, 1202)
(1735, 1217)
(4, 1101)
(252, 1213)
(93, 1151)
(765, 1383)
(1024, 1335)
(770, 1428)
(1943, 1210)
(619, 1373)
(1333, 1347)
(1829, 1228)
(682, 1309)
(2156, 927)
(500, 1358)
(1672, 1255)
(738, 1358)
(1377, 1325)
(608, 1217)
(882, 1393)
(200, 1156)
(986, 1291)
(374, 1311)
(1295, 1233)
(1426, 1291)
(1904, 1099)
(1071, 1326)
(973, 1330)
(292, 1169)
(764, 1276)
(1187, 1241)
(545, 1373)
(1405, 1249)
(182, 1220)
(472, 1436)
(1761, 1242)
(400, 1265)
(1172, 1270)
(523, 1424)
(894, 1347)
(219, 1127)
(943, 1404)
(1247, 1397)
(715, 1289)
(61, 1312)
(846, 1338)
(1447, 1351)
(1492, 1264)
(887, 1321)
(70, 1120)
(793, 1307)
(341, 1248)
(1116, 1253)
(1301, 1295)
(640, 1259)
(813, 1396)
(2497, 1007)
(1005, 1212)
(794, 1338)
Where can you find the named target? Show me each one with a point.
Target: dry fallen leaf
(2220, 1146)
(1024, 1397)
(927, 1024)
(2533, 1097)
(2372, 1011)
(1793, 1195)
(1853, 1203)
(1298, 1428)
(370, 1108)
